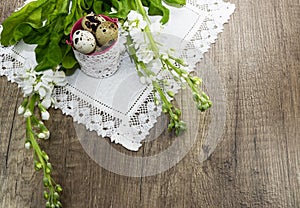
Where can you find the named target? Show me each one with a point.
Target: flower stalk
(173, 65)
(41, 160)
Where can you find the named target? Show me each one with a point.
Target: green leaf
(175, 3)
(31, 15)
(156, 8)
(69, 61)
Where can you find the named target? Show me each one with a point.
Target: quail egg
(84, 41)
(106, 33)
(91, 21)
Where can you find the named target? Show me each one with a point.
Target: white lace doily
(121, 107)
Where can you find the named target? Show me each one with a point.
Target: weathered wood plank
(256, 165)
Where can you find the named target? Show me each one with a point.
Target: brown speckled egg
(91, 21)
(84, 41)
(106, 33)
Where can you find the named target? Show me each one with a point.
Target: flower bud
(165, 108)
(27, 145)
(46, 195)
(56, 195)
(27, 113)
(21, 110)
(59, 204)
(41, 136)
(38, 166)
(48, 204)
(143, 80)
(46, 182)
(48, 170)
(196, 97)
(171, 126)
(47, 134)
(49, 166)
(44, 154)
(58, 188)
(45, 115)
(170, 93)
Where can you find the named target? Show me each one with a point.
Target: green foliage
(48, 23)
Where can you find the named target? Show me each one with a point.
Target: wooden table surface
(257, 164)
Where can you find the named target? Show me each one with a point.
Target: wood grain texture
(256, 165)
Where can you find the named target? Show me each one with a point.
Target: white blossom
(41, 83)
(47, 134)
(47, 101)
(135, 20)
(27, 145)
(59, 78)
(26, 81)
(156, 27)
(41, 136)
(45, 115)
(143, 80)
(144, 54)
(43, 89)
(44, 135)
(27, 113)
(21, 110)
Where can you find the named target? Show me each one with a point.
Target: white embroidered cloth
(121, 107)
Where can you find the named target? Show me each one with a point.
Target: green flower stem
(153, 44)
(164, 99)
(174, 113)
(167, 106)
(178, 60)
(142, 11)
(138, 64)
(131, 50)
(202, 100)
(147, 30)
(181, 73)
(43, 159)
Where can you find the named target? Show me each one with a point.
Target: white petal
(47, 134)
(42, 92)
(142, 24)
(27, 145)
(47, 101)
(27, 113)
(41, 136)
(45, 115)
(143, 80)
(21, 110)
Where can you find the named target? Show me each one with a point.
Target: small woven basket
(98, 64)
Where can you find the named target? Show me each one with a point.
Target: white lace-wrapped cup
(98, 64)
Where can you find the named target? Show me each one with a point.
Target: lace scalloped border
(135, 126)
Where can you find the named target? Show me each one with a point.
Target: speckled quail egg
(84, 41)
(106, 33)
(91, 21)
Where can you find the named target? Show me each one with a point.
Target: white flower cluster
(135, 22)
(41, 83)
(135, 26)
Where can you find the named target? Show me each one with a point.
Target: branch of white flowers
(37, 88)
(144, 50)
(36, 129)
